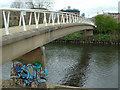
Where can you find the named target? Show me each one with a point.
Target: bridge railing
(54, 17)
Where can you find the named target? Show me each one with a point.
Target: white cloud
(5, 3)
(89, 7)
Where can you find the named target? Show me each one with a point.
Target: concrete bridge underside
(20, 43)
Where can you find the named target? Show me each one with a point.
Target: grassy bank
(95, 37)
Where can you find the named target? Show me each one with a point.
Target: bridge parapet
(24, 45)
(48, 17)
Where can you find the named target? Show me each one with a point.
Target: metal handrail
(54, 15)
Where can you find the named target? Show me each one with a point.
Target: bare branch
(48, 4)
(16, 4)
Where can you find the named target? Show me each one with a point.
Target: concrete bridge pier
(36, 74)
(36, 55)
(88, 32)
(0, 19)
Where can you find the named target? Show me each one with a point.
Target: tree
(17, 4)
(48, 4)
(99, 23)
(105, 23)
(118, 27)
(29, 4)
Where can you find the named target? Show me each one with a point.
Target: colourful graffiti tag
(30, 75)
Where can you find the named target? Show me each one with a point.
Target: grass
(96, 37)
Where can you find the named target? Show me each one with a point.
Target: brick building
(115, 15)
(15, 18)
(69, 10)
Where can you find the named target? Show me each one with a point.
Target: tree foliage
(105, 23)
(118, 27)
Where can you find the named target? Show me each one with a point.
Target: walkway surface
(16, 29)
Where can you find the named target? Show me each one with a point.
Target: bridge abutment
(36, 55)
(1, 19)
(29, 70)
(88, 32)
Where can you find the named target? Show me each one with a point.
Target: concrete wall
(88, 32)
(18, 44)
(36, 55)
(0, 19)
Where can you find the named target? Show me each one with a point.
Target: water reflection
(83, 66)
(79, 65)
(78, 73)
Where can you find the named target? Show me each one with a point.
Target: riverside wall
(90, 42)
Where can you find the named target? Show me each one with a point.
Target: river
(82, 65)
(85, 66)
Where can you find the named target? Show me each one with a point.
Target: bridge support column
(88, 32)
(1, 46)
(1, 19)
(37, 55)
(33, 63)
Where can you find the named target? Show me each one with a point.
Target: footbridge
(34, 29)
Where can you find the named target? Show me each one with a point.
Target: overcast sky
(89, 7)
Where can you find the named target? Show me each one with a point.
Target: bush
(105, 24)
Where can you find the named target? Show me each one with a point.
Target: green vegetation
(73, 36)
(96, 37)
(57, 86)
(106, 24)
(107, 30)
(107, 37)
(118, 27)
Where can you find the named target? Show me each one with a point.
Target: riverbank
(85, 66)
(96, 39)
(92, 42)
(7, 84)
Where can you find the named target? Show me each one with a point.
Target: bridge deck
(18, 44)
(16, 29)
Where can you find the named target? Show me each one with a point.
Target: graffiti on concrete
(30, 75)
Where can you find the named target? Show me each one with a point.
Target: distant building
(115, 15)
(92, 19)
(69, 10)
(119, 11)
(69, 7)
(83, 14)
(15, 17)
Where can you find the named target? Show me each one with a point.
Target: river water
(85, 66)
(82, 65)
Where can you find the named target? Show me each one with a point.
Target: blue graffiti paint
(17, 68)
(29, 73)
